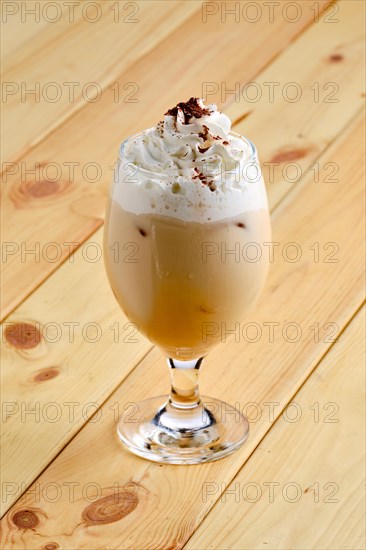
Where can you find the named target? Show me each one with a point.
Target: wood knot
(23, 335)
(46, 374)
(291, 154)
(110, 508)
(51, 546)
(25, 519)
(336, 58)
(31, 193)
(38, 189)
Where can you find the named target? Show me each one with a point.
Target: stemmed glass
(186, 285)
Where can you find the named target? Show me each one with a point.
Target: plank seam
(57, 267)
(79, 430)
(68, 116)
(291, 41)
(89, 235)
(273, 424)
(294, 190)
(287, 197)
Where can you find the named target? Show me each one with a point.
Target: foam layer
(190, 166)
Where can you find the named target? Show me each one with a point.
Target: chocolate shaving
(190, 109)
(199, 175)
(160, 128)
(204, 135)
(205, 132)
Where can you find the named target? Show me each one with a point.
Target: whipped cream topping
(190, 166)
(190, 136)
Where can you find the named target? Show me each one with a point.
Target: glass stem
(184, 392)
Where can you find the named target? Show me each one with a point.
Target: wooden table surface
(76, 82)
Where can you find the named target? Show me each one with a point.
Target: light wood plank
(17, 34)
(329, 88)
(62, 53)
(85, 278)
(24, 33)
(62, 347)
(316, 465)
(94, 134)
(304, 292)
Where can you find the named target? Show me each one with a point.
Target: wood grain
(309, 107)
(60, 53)
(170, 504)
(64, 350)
(316, 463)
(93, 135)
(18, 34)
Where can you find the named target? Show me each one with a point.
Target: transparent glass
(186, 285)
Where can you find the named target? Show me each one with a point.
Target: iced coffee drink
(185, 231)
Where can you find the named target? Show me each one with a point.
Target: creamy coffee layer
(190, 167)
(185, 283)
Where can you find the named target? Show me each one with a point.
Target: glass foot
(209, 430)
